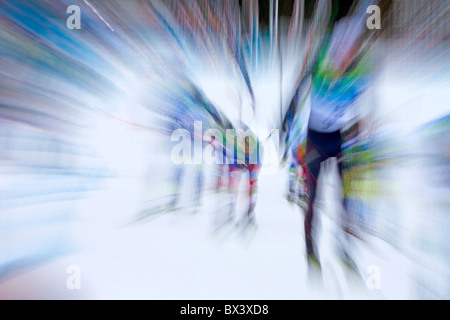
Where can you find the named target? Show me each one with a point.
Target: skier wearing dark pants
(319, 148)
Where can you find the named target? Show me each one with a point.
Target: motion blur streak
(91, 120)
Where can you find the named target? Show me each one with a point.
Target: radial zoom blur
(201, 149)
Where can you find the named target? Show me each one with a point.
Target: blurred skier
(340, 74)
(187, 106)
(241, 156)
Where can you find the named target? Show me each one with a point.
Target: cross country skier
(188, 105)
(340, 73)
(241, 156)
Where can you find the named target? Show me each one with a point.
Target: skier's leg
(199, 185)
(221, 175)
(345, 215)
(233, 184)
(177, 177)
(292, 183)
(346, 228)
(304, 178)
(319, 147)
(253, 172)
(313, 168)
